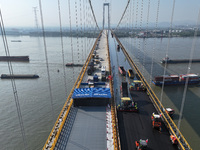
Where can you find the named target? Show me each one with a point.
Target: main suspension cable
(122, 15)
(93, 14)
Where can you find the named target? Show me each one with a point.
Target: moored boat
(14, 58)
(19, 76)
(176, 79)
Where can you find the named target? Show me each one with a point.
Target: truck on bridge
(122, 70)
(126, 103)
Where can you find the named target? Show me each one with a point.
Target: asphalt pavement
(136, 126)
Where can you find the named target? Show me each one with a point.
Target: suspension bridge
(90, 118)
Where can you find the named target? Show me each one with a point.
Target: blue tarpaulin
(91, 93)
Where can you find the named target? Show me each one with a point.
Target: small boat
(15, 40)
(175, 61)
(73, 65)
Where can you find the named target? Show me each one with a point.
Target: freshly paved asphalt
(135, 126)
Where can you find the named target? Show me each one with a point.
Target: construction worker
(135, 105)
(173, 139)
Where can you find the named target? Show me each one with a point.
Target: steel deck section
(88, 130)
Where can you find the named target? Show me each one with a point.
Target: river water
(34, 97)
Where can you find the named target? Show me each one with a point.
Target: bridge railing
(183, 144)
(116, 138)
(56, 130)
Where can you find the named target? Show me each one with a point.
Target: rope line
(81, 31)
(84, 12)
(46, 57)
(133, 6)
(188, 71)
(63, 56)
(145, 41)
(153, 53)
(169, 38)
(136, 20)
(13, 82)
(139, 43)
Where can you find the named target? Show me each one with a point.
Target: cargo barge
(19, 76)
(73, 65)
(176, 79)
(16, 41)
(14, 58)
(175, 61)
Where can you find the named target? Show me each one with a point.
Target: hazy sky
(18, 13)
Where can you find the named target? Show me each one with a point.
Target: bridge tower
(106, 4)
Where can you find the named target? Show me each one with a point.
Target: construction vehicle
(126, 103)
(173, 140)
(137, 85)
(156, 120)
(170, 111)
(130, 73)
(141, 144)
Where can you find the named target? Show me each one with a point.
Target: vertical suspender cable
(145, 41)
(154, 42)
(87, 26)
(70, 26)
(84, 29)
(13, 82)
(77, 29)
(136, 19)
(188, 71)
(169, 37)
(139, 46)
(63, 56)
(81, 30)
(46, 57)
(132, 25)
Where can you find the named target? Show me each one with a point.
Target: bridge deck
(86, 126)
